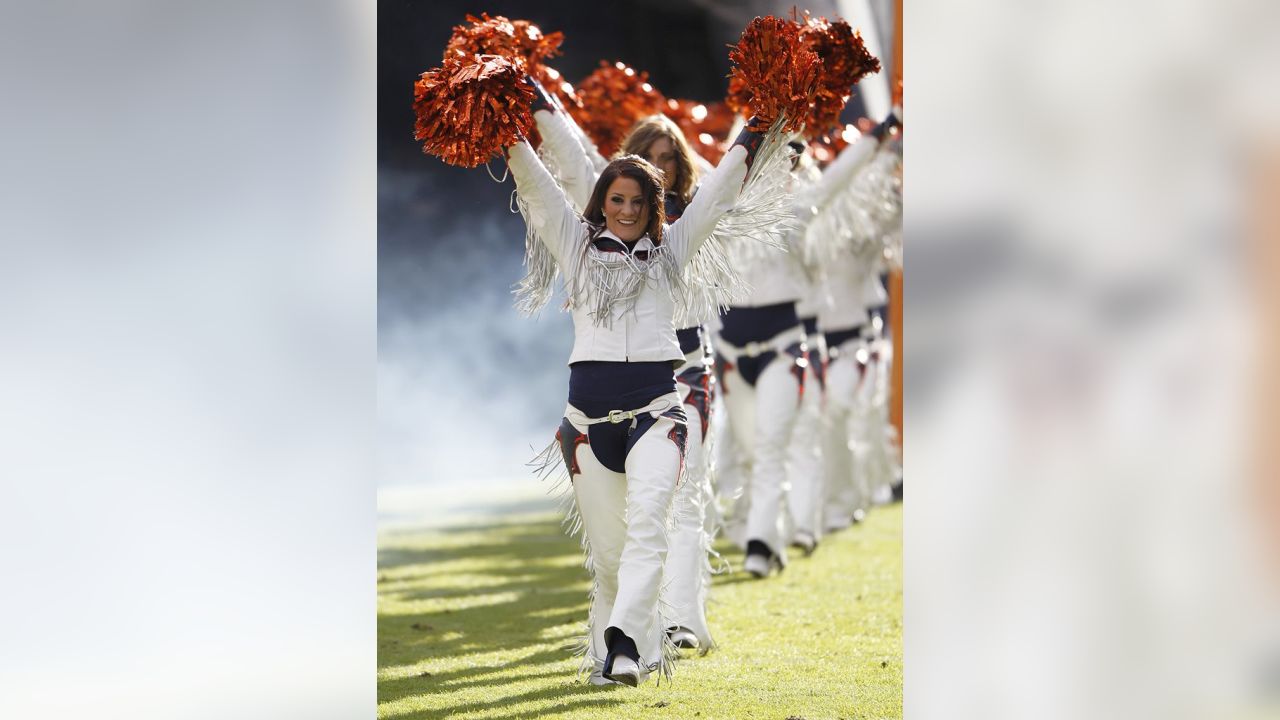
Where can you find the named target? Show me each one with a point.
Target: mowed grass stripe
(473, 620)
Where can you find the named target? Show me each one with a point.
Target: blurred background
(1090, 352)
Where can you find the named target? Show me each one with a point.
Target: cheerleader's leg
(736, 459)
(688, 569)
(601, 496)
(804, 467)
(886, 467)
(862, 440)
(653, 467)
(777, 396)
(839, 496)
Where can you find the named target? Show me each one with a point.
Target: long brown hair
(648, 130)
(650, 180)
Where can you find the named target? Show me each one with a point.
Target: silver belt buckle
(617, 416)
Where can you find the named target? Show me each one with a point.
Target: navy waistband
(596, 387)
(742, 325)
(810, 325)
(836, 338)
(690, 338)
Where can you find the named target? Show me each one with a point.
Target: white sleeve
(715, 197)
(593, 154)
(548, 211)
(840, 172)
(570, 164)
(704, 165)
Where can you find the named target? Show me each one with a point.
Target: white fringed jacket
(624, 308)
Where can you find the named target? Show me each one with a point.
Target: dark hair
(650, 180)
(648, 130)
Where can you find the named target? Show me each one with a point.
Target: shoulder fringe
(760, 220)
(756, 227)
(536, 287)
(603, 281)
(865, 214)
(764, 214)
(811, 248)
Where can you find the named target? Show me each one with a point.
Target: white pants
(846, 493)
(805, 468)
(625, 518)
(875, 446)
(760, 420)
(688, 569)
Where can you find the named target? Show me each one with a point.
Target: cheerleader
(845, 321)
(761, 363)
(624, 432)
(688, 572)
(875, 442)
(805, 467)
(846, 327)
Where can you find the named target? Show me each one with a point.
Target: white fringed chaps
(688, 570)
(761, 419)
(625, 518)
(805, 468)
(846, 492)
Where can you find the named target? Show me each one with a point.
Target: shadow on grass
(538, 588)
(734, 579)
(573, 697)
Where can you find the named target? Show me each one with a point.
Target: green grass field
(472, 621)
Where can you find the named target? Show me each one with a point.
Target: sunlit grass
(472, 622)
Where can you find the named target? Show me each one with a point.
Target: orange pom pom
(845, 61)
(471, 108)
(775, 73)
(517, 40)
(520, 41)
(613, 98)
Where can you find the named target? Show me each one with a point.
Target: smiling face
(626, 213)
(663, 156)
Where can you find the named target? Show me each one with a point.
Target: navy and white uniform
(688, 568)
(760, 359)
(844, 322)
(805, 468)
(624, 431)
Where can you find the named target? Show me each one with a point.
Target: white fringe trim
(548, 464)
(761, 219)
(864, 218)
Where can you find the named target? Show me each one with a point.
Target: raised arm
(715, 197)
(546, 208)
(704, 165)
(850, 160)
(841, 171)
(570, 164)
(598, 161)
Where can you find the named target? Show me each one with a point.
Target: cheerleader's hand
(542, 99)
(751, 137)
(886, 126)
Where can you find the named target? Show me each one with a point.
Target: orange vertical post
(895, 277)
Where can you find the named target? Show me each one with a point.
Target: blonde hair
(646, 132)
